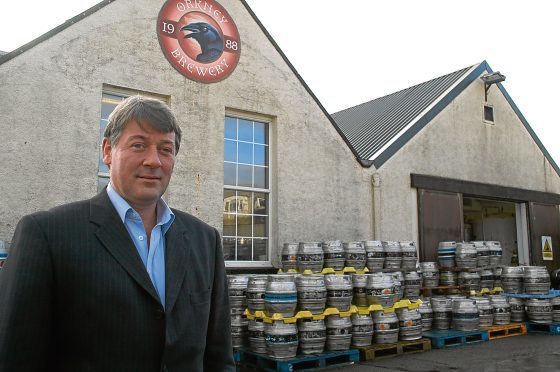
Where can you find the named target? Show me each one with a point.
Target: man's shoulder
(189, 219)
(63, 210)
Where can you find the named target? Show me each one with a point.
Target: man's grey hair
(144, 111)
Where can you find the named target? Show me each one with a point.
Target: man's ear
(106, 150)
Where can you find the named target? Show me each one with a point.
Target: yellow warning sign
(547, 248)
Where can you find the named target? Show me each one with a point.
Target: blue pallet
(300, 363)
(451, 338)
(551, 294)
(550, 329)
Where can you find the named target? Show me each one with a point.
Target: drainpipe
(375, 203)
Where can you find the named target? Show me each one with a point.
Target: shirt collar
(165, 216)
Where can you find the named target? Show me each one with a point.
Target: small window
(488, 114)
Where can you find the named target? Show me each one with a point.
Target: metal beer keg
(430, 274)
(311, 293)
(281, 339)
(555, 302)
(237, 288)
(442, 312)
(257, 340)
(497, 277)
(512, 279)
(310, 256)
(339, 333)
(501, 310)
(339, 291)
(409, 255)
(289, 256)
(312, 335)
(333, 255)
(517, 308)
(446, 254)
(486, 278)
(380, 290)
(465, 255)
(375, 255)
(466, 317)
(426, 313)
(362, 330)
(482, 254)
(355, 255)
(494, 253)
(470, 279)
(536, 280)
(256, 288)
(448, 278)
(539, 310)
(239, 331)
(393, 254)
(398, 282)
(386, 327)
(412, 284)
(359, 283)
(280, 295)
(410, 324)
(485, 311)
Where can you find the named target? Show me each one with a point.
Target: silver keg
(539, 310)
(446, 254)
(339, 291)
(466, 317)
(485, 311)
(430, 274)
(310, 256)
(555, 302)
(482, 254)
(501, 310)
(512, 279)
(448, 278)
(393, 254)
(311, 293)
(281, 339)
(256, 288)
(386, 327)
(409, 255)
(380, 289)
(494, 252)
(398, 282)
(412, 284)
(289, 256)
(239, 331)
(497, 277)
(355, 255)
(487, 278)
(536, 280)
(237, 289)
(312, 335)
(339, 333)
(442, 309)
(362, 330)
(470, 280)
(426, 313)
(465, 255)
(280, 295)
(333, 255)
(410, 324)
(359, 283)
(517, 308)
(257, 339)
(375, 255)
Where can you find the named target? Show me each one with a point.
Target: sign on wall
(546, 248)
(199, 39)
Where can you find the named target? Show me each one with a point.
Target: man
(119, 282)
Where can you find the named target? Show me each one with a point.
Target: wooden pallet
(451, 338)
(260, 362)
(508, 330)
(550, 329)
(377, 351)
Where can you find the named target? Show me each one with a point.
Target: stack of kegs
(386, 327)
(536, 280)
(237, 289)
(539, 310)
(494, 252)
(501, 310)
(410, 324)
(355, 255)
(375, 255)
(426, 313)
(409, 255)
(442, 308)
(446, 254)
(512, 279)
(482, 254)
(430, 274)
(380, 289)
(466, 316)
(412, 284)
(339, 332)
(485, 311)
(311, 293)
(312, 335)
(281, 339)
(289, 256)
(393, 254)
(333, 255)
(280, 295)
(487, 278)
(362, 329)
(339, 291)
(517, 308)
(359, 283)
(466, 255)
(310, 256)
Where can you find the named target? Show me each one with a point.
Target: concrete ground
(531, 352)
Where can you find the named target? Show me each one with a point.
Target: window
(488, 114)
(246, 190)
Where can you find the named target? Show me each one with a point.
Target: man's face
(141, 163)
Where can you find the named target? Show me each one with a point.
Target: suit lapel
(176, 259)
(115, 238)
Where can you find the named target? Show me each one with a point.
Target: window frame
(484, 106)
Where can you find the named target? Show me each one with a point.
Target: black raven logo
(209, 39)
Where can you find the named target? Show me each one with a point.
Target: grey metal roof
(372, 125)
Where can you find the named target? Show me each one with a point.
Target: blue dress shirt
(154, 256)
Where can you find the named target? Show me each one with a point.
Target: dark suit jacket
(75, 296)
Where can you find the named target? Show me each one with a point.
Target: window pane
(229, 224)
(229, 201)
(244, 202)
(245, 175)
(229, 174)
(261, 177)
(230, 151)
(261, 157)
(259, 249)
(230, 128)
(245, 130)
(244, 249)
(260, 203)
(244, 227)
(229, 248)
(260, 133)
(245, 153)
(260, 227)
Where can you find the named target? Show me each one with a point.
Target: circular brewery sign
(199, 39)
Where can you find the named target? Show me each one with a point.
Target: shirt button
(140, 238)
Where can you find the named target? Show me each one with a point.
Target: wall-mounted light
(489, 79)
